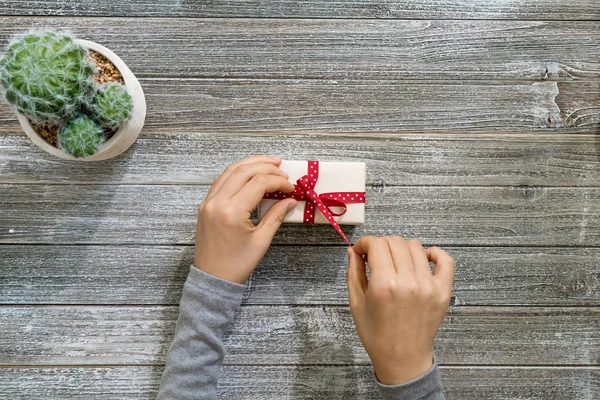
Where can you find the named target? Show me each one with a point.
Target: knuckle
(378, 240)
(280, 218)
(428, 293)
(242, 169)
(396, 239)
(259, 180)
(228, 215)
(412, 288)
(205, 208)
(387, 289)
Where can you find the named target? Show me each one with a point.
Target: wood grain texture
(371, 108)
(298, 335)
(287, 275)
(327, 382)
(300, 382)
(470, 9)
(324, 48)
(80, 383)
(401, 160)
(367, 108)
(162, 214)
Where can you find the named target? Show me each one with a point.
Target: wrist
(404, 371)
(236, 277)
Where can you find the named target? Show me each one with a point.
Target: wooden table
(478, 120)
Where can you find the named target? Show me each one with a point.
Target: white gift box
(333, 177)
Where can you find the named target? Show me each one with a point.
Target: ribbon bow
(304, 191)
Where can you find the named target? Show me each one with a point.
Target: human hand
(228, 244)
(399, 309)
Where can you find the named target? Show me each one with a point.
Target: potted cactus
(74, 98)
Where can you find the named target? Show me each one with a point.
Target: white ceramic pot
(127, 133)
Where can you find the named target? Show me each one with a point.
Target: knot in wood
(378, 186)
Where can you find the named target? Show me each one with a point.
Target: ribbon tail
(342, 234)
(307, 184)
(345, 238)
(329, 217)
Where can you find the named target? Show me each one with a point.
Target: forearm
(426, 387)
(207, 308)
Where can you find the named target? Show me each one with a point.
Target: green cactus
(46, 75)
(111, 105)
(80, 137)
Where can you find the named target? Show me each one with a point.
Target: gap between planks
(442, 366)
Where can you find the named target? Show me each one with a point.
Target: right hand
(399, 309)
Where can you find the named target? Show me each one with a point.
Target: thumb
(272, 220)
(356, 277)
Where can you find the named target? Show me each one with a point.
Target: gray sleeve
(206, 311)
(426, 387)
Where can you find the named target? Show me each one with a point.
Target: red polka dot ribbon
(304, 191)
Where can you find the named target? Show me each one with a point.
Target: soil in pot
(107, 72)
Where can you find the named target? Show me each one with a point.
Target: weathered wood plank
(287, 275)
(158, 214)
(67, 335)
(325, 48)
(367, 108)
(80, 383)
(424, 160)
(300, 382)
(471, 9)
(459, 383)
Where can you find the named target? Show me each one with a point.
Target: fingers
(356, 277)
(419, 259)
(249, 173)
(380, 258)
(276, 161)
(273, 219)
(254, 190)
(444, 268)
(401, 255)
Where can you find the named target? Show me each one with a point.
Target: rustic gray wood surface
(443, 215)
(137, 274)
(468, 9)
(348, 48)
(479, 122)
(364, 108)
(292, 334)
(292, 382)
(446, 159)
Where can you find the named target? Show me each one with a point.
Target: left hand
(228, 244)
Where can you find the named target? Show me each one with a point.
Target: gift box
(327, 192)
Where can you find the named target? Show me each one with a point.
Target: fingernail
(275, 158)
